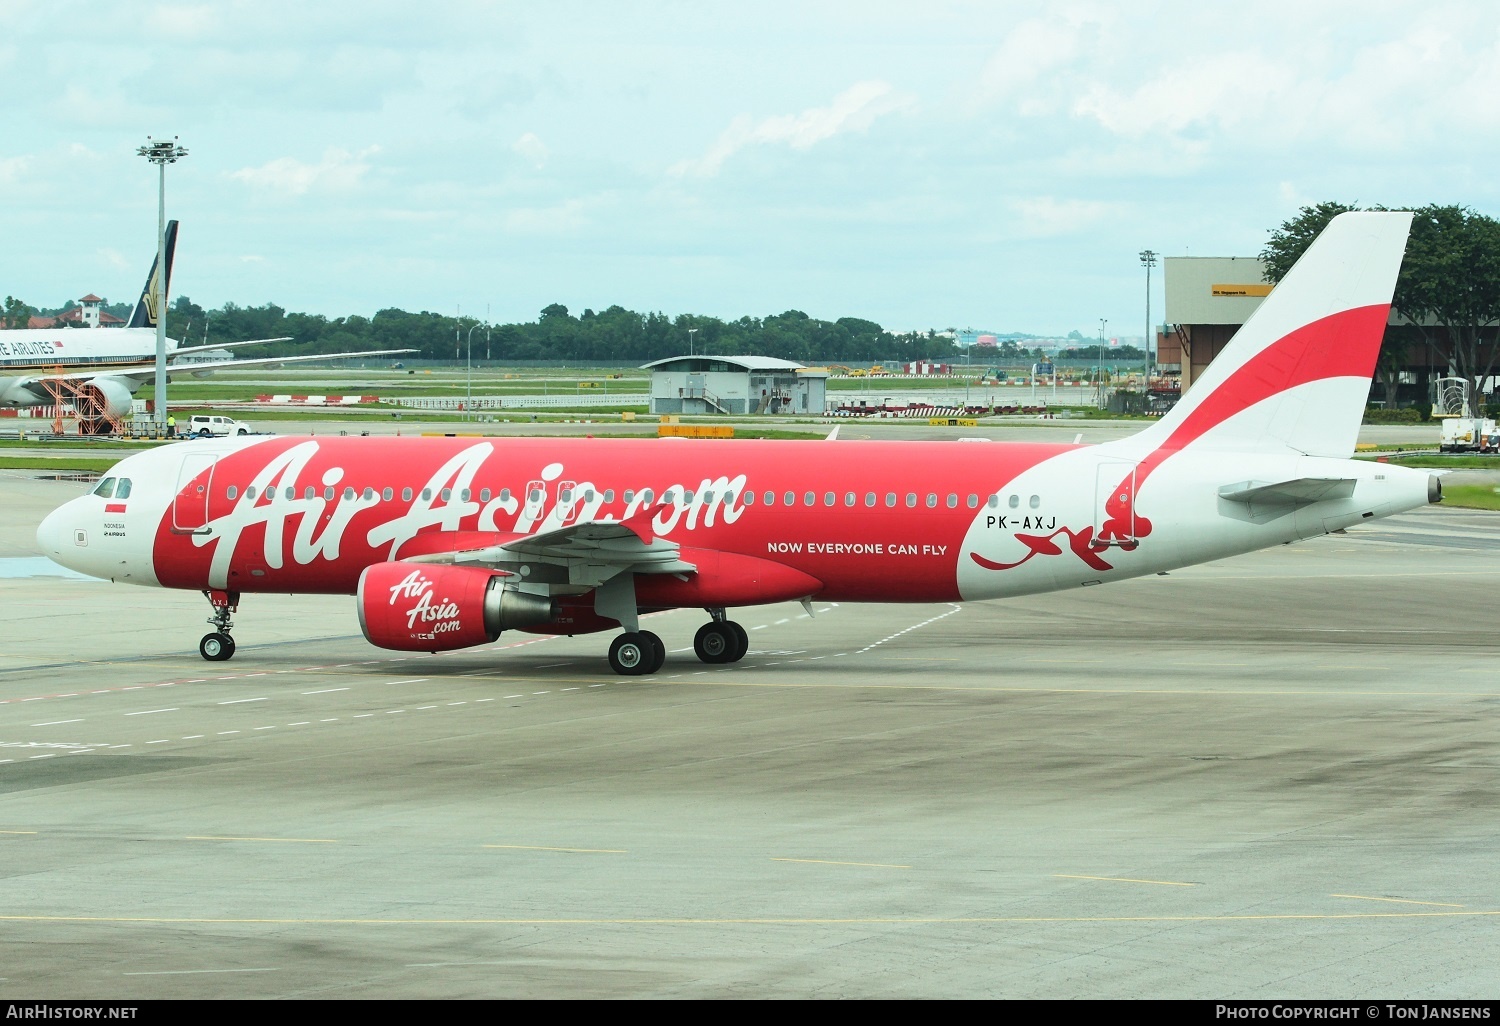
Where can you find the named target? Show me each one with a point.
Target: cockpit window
(122, 490)
(105, 489)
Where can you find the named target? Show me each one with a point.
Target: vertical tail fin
(1296, 376)
(145, 313)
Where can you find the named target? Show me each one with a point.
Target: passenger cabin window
(310, 492)
(1036, 500)
(890, 500)
(1015, 501)
(231, 492)
(250, 492)
(870, 500)
(973, 501)
(446, 493)
(484, 495)
(911, 500)
(328, 494)
(811, 498)
(994, 502)
(387, 494)
(348, 494)
(829, 498)
(505, 495)
(790, 499)
(952, 501)
(931, 500)
(426, 494)
(609, 495)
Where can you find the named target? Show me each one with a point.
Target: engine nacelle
(99, 401)
(419, 607)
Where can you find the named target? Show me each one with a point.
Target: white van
(205, 425)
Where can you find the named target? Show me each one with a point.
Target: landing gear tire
(742, 641)
(216, 647)
(633, 653)
(658, 653)
(717, 642)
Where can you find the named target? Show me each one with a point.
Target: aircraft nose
(51, 532)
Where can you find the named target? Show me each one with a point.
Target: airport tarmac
(1272, 777)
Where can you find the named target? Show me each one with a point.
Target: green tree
(1290, 241)
(17, 314)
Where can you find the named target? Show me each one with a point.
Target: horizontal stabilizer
(1299, 492)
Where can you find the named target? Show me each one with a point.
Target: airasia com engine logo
(443, 615)
(424, 608)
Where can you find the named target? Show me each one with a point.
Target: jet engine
(422, 607)
(99, 401)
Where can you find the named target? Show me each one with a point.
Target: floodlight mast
(161, 153)
(1148, 261)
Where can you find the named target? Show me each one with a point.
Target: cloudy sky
(922, 164)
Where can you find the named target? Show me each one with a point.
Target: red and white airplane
(446, 542)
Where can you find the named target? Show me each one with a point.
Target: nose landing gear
(219, 646)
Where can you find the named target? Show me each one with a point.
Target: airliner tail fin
(1296, 376)
(145, 313)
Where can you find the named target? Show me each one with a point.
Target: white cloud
(12, 168)
(339, 171)
(853, 110)
(185, 23)
(564, 218)
(531, 148)
(1047, 216)
(113, 258)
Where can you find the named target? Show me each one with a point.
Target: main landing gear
(636, 653)
(720, 640)
(639, 653)
(219, 646)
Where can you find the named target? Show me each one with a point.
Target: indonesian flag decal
(114, 507)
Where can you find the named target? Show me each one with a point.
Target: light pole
(161, 154)
(691, 333)
(1102, 323)
(1148, 261)
(469, 371)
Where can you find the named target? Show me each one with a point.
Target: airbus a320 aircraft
(98, 371)
(446, 542)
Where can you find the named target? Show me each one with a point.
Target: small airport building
(736, 385)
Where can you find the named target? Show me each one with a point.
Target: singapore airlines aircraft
(446, 542)
(98, 371)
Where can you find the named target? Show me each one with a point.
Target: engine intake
(414, 607)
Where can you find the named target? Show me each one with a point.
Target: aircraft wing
(139, 374)
(206, 348)
(1299, 492)
(592, 553)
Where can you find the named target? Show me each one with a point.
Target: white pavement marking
(325, 691)
(414, 680)
(148, 712)
(54, 723)
(240, 701)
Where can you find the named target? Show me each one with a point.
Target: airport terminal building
(736, 385)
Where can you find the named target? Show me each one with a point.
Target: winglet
(639, 524)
